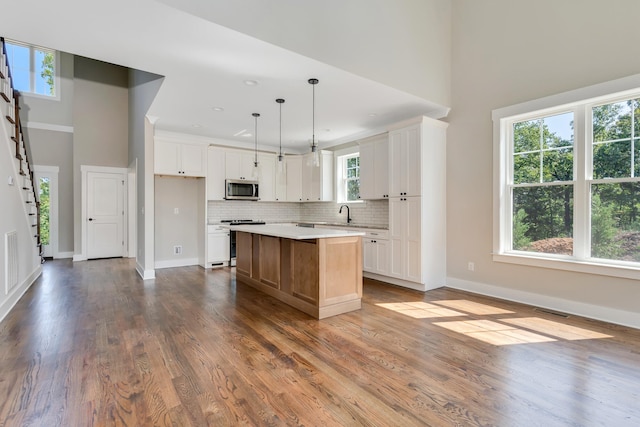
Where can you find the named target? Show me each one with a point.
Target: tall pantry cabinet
(417, 204)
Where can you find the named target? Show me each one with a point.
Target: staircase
(10, 107)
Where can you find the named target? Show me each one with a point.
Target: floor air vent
(555, 313)
(10, 260)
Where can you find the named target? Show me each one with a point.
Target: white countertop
(295, 233)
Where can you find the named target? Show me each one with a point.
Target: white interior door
(105, 214)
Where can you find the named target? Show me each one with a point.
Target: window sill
(622, 270)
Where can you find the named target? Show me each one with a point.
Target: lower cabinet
(375, 252)
(217, 247)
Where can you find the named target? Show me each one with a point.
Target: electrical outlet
(471, 266)
(177, 250)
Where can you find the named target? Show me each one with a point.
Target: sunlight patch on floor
(493, 332)
(509, 331)
(420, 310)
(555, 329)
(472, 307)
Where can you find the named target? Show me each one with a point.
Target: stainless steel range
(232, 235)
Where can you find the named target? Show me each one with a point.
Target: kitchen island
(317, 271)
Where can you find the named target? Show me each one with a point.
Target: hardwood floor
(90, 344)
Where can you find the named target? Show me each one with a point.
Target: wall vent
(10, 260)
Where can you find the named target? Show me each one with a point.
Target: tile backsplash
(371, 212)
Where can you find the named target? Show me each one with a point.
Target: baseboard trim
(145, 274)
(63, 255)
(398, 282)
(606, 314)
(79, 257)
(18, 292)
(184, 262)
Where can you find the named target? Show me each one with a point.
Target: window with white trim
(348, 178)
(569, 182)
(33, 68)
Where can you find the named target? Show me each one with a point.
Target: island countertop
(295, 233)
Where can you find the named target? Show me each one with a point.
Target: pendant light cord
(313, 83)
(255, 158)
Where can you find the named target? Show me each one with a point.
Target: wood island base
(321, 277)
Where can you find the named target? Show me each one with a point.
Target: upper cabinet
(374, 167)
(309, 183)
(405, 164)
(239, 164)
(294, 178)
(215, 173)
(267, 177)
(181, 159)
(317, 181)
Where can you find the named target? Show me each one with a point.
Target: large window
(33, 69)
(569, 183)
(348, 178)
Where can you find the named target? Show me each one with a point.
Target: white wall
(506, 52)
(143, 88)
(13, 218)
(405, 44)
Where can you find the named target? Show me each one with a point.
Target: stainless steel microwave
(241, 189)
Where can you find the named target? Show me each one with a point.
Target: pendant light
(255, 171)
(280, 101)
(315, 156)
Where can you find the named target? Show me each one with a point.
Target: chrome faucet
(348, 213)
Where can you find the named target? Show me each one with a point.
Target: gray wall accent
(143, 88)
(503, 56)
(185, 229)
(52, 148)
(100, 121)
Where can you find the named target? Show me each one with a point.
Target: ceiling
(205, 66)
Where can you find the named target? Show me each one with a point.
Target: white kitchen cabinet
(417, 224)
(215, 173)
(309, 183)
(217, 246)
(294, 178)
(404, 238)
(267, 189)
(239, 164)
(405, 162)
(375, 250)
(281, 181)
(317, 181)
(181, 159)
(374, 168)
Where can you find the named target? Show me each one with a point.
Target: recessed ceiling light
(217, 108)
(196, 125)
(373, 114)
(240, 133)
(251, 82)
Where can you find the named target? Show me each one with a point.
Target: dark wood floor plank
(92, 344)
